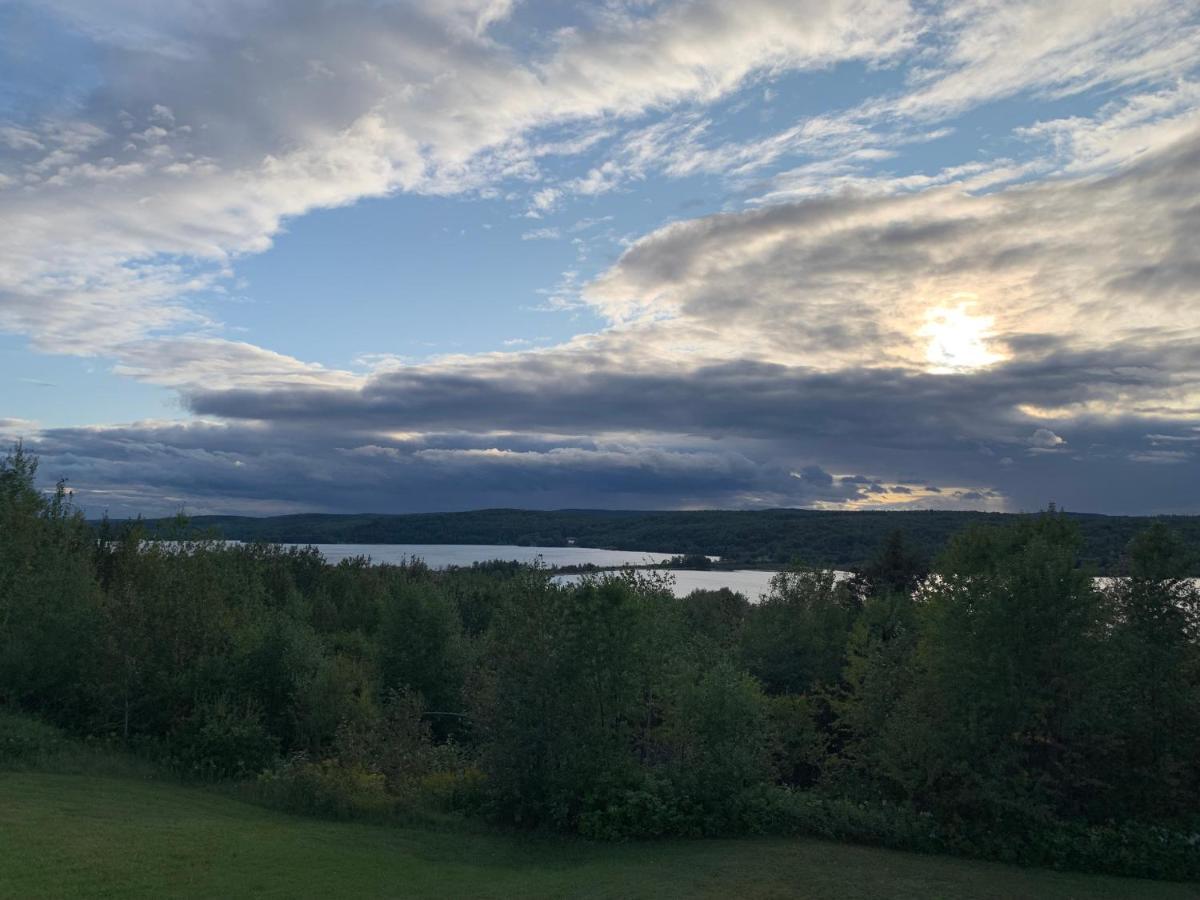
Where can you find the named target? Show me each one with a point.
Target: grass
(88, 835)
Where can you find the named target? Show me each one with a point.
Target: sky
(273, 256)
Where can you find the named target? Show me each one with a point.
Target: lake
(752, 583)
(440, 556)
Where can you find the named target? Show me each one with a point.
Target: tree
(48, 594)
(716, 733)
(1003, 696)
(896, 568)
(421, 646)
(795, 639)
(1155, 677)
(878, 656)
(716, 616)
(571, 683)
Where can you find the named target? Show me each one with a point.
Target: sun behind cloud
(958, 340)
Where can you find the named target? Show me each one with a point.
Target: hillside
(771, 537)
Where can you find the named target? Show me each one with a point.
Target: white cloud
(1123, 130)
(1045, 439)
(14, 429)
(542, 234)
(95, 256)
(850, 280)
(223, 364)
(544, 200)
(1162, 457)
(975, 53)
(998, 48)
(208, 132)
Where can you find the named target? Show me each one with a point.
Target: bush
(326, 788)
(29, 743)
(457, 789)
(717, 739)
(219, 741)
(25, 740)
(650, 810)
(1131, 848)
(396, 743)
(799, 746)
(560, 703)
(835, 818)
(48, 595)
(661, 807)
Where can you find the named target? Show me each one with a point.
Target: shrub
(25, 740)
(795, 639)
(396, 743)
(219, 741)
(453, 789)
(326, 788)
(29, 743)
(799, 747)
(1131, 848)
(659, 807)
(717, 735)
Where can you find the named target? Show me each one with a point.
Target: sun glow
(957, 340)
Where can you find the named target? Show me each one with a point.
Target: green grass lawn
(73, 835)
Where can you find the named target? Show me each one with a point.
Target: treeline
(771, 538)
(1004, 706)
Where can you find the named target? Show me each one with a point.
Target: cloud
(965, 55)
(572, 393)
(736, 438)
(806, 350)
(851, 279)
(1163, 457)
(220, 363)
(1123, 129)
(761, 356)
(817, 476)
(542, 234)
(14, 429)
(1045, 439)
(206, 467)
(993, 49)
(924, 426)
(173, 167)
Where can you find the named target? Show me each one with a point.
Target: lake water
(439, 556)
(752, 583)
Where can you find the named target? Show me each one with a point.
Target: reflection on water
(439, 556)
(751, 583)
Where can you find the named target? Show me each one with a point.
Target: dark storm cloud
(533, 431)
(878, 407)
(157, 469)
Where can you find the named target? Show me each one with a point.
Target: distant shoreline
(768, 539)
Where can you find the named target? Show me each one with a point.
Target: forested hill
(769, 537)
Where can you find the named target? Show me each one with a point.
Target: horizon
(295, 257)
(649, 512)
